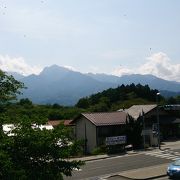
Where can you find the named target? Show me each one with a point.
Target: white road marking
(164, 154)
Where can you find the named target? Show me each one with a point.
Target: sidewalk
(104, 156)
(165, 145)
(170, 144)
(145, 173)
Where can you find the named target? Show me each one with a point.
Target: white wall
(85, 129)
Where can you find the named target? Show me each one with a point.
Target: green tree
(32, 153)
(83, 103)
(102, 106)
(9, 87)
(37, 154)
(133, 131)
(25, 102)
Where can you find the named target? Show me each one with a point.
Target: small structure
(99, 128)
(41, 127)
(55, 123)
(67, 123)
(8, 128)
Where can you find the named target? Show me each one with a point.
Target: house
(99, 129)
(147, 114)
(95, 128)
(150, 115)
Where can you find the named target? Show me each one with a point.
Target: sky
(100, 36)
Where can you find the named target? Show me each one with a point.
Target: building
(98, 128)
(153, 116)
(94, 128)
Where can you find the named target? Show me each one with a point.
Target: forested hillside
(108, 100)
(120, 97)
(24, 109)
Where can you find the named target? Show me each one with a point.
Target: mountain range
(56, 84)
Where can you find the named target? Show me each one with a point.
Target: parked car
(173, 170)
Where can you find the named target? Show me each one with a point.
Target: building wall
(109, 131)
(151, 117)
(154, 113)
(86, 130)
(167, 129)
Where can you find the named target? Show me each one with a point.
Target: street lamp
(158, 124)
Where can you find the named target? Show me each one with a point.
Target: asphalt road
(94, 170)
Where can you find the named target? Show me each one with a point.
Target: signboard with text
(115, 140)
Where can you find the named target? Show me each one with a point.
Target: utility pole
(158, 124)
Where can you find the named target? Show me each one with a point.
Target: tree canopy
(9, 87)
(29, 152)
(37, 154)
(120, 97)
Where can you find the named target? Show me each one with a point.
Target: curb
(89, 158)
(150, 178)
(122, 155)
(156, 177)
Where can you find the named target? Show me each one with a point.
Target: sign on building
(115, 140)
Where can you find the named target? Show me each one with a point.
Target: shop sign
(115, 140)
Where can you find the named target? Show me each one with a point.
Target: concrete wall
(86, 130)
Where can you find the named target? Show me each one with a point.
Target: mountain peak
(54, 69)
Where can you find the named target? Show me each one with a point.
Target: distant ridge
(56, 84)
(17, 76)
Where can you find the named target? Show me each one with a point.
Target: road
(97, 169)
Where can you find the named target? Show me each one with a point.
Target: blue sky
(101, 36)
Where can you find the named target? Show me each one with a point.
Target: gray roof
(136, 110)
(107, 118)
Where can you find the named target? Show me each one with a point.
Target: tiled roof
(68, 123)
(54, 122)
(108, 118)
(136, 110)
(57, 122)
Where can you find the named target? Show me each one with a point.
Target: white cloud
(17, 65)
(70, 68)
(158, 64)
(94, 69)
(120, 71)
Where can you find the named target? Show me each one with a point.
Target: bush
(99, 150)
